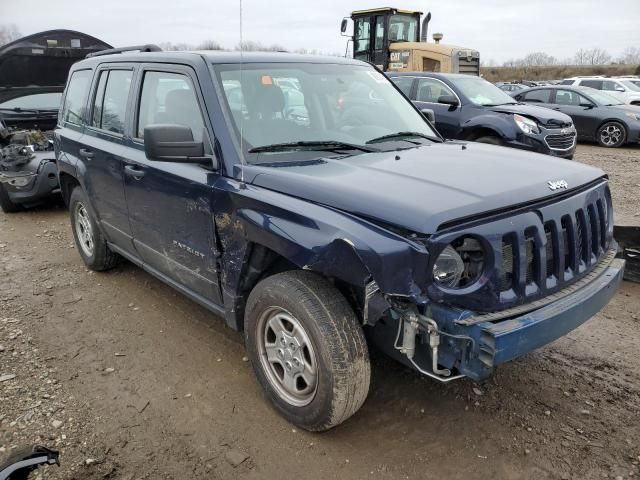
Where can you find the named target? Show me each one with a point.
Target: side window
(611, 86)
(362, 28)
(74, 101)
(597, 84)
(537, 96)
(404, 84)
(566, 82)
(169, 98)
(379, 40)
(430, 90)
(567, 97)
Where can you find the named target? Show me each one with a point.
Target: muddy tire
(490, 139)
(90, 242)
(611, 135)
(5, 202)
(307, 349)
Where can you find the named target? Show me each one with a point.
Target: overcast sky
(499, 29)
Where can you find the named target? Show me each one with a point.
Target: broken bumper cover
(28, 187)
(502, 341)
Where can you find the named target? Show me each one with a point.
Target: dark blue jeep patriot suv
(307, 202)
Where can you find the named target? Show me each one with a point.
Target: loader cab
(375, 29)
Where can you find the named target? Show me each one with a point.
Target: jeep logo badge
(556, 184)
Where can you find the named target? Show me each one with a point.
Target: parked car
(470, 108)
(33, 71)
(510, 87)
(453, 256)
(624, 90)
(596, 115)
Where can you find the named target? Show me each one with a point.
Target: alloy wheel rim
(611, 135)
(287, 356)
(84, 230)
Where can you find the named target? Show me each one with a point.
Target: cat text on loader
(394, 40)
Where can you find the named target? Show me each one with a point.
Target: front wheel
(307, 349)
(90, 242)
(612, 135)
(490, 139)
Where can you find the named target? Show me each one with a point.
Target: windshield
(38, 101)
(480, 92)
(630, 85)
(403, 28)
(602, 98)
(301, 103)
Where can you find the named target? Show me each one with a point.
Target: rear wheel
(5, 202)
(490, 139)
(90, 242)
(612, 135)
(307, 349)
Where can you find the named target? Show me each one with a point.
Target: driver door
(171, 204)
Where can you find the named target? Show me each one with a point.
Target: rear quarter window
(73, 108)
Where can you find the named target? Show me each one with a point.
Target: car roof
(217, 57)
(430, 74)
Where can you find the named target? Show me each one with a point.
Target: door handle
(86, 153)
(133, 171)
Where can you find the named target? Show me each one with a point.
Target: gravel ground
(623, 167)
(131, 380)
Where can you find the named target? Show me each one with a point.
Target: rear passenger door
(170, 204)
(105, 150)
(581, 110)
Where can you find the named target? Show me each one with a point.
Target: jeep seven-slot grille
(563, 251)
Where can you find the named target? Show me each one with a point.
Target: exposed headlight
(448, 268)
(460, 264)
(635, 116)
(526, 124)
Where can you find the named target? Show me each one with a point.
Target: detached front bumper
(468, 345)
(507, 340)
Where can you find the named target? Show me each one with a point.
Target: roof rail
(136, 48)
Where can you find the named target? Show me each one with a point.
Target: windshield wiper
(28, 110)
(328, 145)
(400, 135)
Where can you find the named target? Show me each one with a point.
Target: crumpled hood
(545, 116)
(421, 188)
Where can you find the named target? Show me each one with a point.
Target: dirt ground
(131, 380)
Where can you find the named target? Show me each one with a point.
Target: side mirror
(448, 100)
(343, 25)
(173, 143)
(428, 114)
(620, 89)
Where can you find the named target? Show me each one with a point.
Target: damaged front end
(544, 272)
(28, 170)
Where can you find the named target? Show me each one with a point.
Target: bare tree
(251, 46)
(598, 56)
(581, 56)
(537, 59)
(630, 56)
(210, 45)
(9, 33)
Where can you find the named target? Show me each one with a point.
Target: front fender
(314, 237)
(502, 125)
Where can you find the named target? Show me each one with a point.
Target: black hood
(544, 116)
(44, 59)
(422, 188)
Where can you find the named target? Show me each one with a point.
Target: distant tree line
(583, 57)
(9, 33)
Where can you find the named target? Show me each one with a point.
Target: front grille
(561, 141)
(554, 255)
